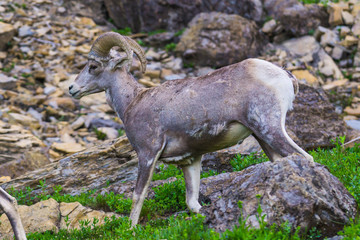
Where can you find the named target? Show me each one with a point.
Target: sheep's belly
(234, 133)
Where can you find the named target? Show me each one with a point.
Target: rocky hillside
(44, 45)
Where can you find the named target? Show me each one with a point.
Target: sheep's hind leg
(270, 153)
(192, 182)
(267, 122)
(9, 205)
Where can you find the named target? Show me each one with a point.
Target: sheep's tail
(294, 80)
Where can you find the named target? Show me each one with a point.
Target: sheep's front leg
(9, 205)
(145, 173)
(192, 182)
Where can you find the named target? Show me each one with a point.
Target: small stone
(335, 84)
(87, 21)
(78, 123)
(6, 82)
(354, 124)
(269, 26)
(347, 17)
(335, 17)
(337, 53)
(61, 10)
(4, 179)
(349, 41)
(305, 74)
(7, 31)
(353, 111)
(62, 102)
(25, 31)
(152, 55)
(147, 82)
(22, 119)
(175, 64)
(165, 72)
(175, 77)
(49, 90)
(67, 147)
(344, 30)
(3, 55)
(153, 73)
(111, 133)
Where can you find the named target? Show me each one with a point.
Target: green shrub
(241, 162)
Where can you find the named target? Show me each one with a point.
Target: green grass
(170, 198)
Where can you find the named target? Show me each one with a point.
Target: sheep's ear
(120, 61)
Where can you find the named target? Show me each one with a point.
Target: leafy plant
(124, 31)
(99, 134)
(241, 162)
(170, 47)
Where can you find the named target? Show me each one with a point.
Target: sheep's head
(103, 62)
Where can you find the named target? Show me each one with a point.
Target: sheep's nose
(70, 87)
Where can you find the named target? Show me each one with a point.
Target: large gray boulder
(175, 15)
(296, 18)
(115, 161)
(292, 189)
(219, 39)
(313, 119)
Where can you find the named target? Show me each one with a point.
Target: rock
(174, 77)
(314, 119)
(354, 124)
(175, 15)
(269, 26)
(20, 151)
(111, 133)
(347, 17)
(232, 40)
(39, 217)
(176, 64)
(21, 119)
(302, 47)
(335, 84)
(353, 111)
(160, 39)
(113, 161)
(61, 102)
(152, 73)
(335, 12)
(25, 31)
(349, 41)
(99, 122)
(147, 82)
(327, 66)
(67, 147)
(75, 213)
(78, 123)
(329, 38)
(7, 31)
(50, 215)
(296, 19)
(306, 75)
(291, 189)
(337, 53)
(6, 82)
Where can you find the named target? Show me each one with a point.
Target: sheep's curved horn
(102, 45)
(138, 51)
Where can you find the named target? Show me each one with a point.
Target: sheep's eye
(93, 67)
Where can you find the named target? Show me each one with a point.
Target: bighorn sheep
(178, 121)
(9, 205)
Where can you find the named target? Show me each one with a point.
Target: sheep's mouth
(75, 94)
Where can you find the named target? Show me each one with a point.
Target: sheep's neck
(122, 92)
